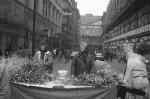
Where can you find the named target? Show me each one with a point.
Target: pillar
(51, 11)
(3, 44)
(40, 6)
(54, 17)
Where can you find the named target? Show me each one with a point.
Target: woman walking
(135, 79)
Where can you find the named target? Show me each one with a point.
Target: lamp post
(34, 27)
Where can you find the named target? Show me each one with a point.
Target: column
(3, 44)
(55, 13)
(40, 6)
(46, 8)
(31, 4)
(57, 21)
(51, 11)
(61, 17)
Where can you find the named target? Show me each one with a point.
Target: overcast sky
(96, 7)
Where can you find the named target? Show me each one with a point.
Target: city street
(59, 49)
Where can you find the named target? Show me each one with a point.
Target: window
(44, 7)
(49, 9)
(37, 5)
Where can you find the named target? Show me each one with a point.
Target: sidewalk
(117, 66)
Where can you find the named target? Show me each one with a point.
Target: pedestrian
(61, 62)
(135, 79)
(44, 57)
(82, 63)
(43, 54)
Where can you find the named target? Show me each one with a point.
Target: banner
(25, 92)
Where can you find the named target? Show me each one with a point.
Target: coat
(81, 64)
(136, 73)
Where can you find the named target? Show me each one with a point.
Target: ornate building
(91, 30)
(126, 20)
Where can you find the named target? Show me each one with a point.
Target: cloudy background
(96, 7)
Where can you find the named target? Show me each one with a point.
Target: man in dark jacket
(82, 63)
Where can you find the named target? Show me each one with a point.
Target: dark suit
(81, 64)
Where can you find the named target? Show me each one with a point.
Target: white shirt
(136, 67)
(47, 56)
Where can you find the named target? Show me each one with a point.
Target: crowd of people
(135, 78)
(60, 59)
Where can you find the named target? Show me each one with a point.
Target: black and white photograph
(74, 49)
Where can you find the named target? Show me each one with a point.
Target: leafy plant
(32, 73)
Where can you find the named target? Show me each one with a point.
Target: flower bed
(31, 73)
(36, 73)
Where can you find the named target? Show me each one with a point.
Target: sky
(95, 7)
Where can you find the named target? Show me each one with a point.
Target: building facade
(126, 21)
(91, 30)
(70, 23)
(17, 18)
